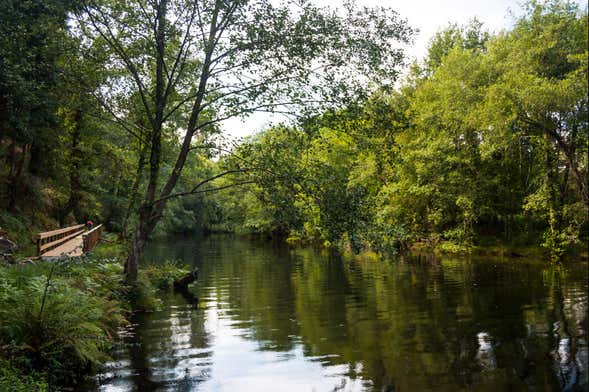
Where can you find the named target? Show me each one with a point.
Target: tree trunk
(149, 213)
(36, 161)
(137, 247)
(134, 189)
(136, 253)
(568, 151)
(14, 179)
(75, 184)
(148, 217)
(151, 209)
(9, 161)
(147, 221)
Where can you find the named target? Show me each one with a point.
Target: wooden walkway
(71, 241)
(71, 248)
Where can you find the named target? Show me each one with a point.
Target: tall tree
(201, 62)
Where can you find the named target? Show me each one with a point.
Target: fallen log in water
(183, 282)
(181, 286)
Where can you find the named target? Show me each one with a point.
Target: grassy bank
(58, 319)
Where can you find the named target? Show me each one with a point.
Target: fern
(55, 322)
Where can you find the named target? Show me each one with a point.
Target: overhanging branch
(196, 189)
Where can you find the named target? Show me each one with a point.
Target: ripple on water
(282, 319)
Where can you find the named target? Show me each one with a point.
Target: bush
(453, 248)
(111, 248)
(151, 279)
(144, 296)
(60, 318)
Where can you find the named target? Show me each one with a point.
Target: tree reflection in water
(274, 318)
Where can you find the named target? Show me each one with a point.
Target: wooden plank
(59, 241)
(59, 231)
(72, 248)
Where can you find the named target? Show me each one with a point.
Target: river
(274, 318)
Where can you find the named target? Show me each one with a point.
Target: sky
(429, 16)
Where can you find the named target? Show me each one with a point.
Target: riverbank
(487, 247)
(58, 319)
(502, 250)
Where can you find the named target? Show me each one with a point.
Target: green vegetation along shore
(58, 319)
(484, 145)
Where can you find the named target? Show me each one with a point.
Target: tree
(196, 63)
(540, 97)
(499, 133)
(468, 37)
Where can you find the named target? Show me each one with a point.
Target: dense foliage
(486, 140)
(59, 319)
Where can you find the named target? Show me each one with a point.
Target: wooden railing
(91, 238)
(52, 239)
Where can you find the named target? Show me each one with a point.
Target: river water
(274, 318)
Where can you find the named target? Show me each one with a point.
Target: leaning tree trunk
(134, 189)
(149, 212)
(135, 254)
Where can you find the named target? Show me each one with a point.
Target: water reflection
(272, 318)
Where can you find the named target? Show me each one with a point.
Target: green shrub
(103, 278)
(144, 295)
(111, 248)
(59, 318)
(453, 248)
(18, 229)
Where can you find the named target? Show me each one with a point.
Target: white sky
(428, 16)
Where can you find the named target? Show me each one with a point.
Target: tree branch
(115, 44)
(117, 120)
(196, 190)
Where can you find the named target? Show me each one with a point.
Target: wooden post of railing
(39, 244)
(91, 238)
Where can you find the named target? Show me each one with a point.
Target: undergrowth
(58, 319)
(11, 379)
